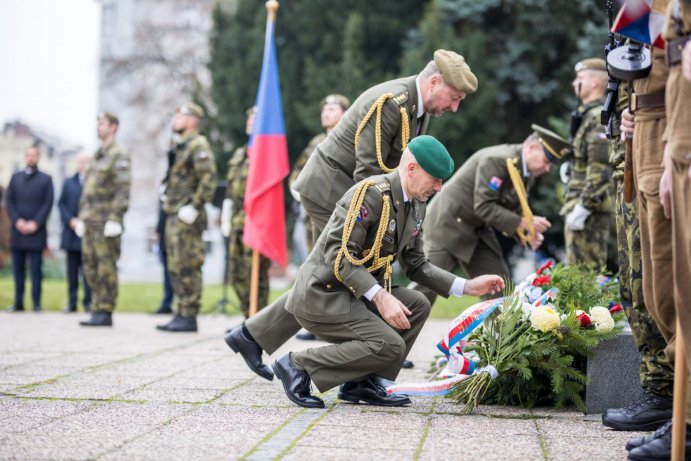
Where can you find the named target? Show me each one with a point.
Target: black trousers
(19, 265)
(74, 267)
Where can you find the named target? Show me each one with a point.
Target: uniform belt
(673, 49)
(647, 101)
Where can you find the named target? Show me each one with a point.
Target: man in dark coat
(68, 204)
(29, 200)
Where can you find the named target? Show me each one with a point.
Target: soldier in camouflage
(190, 184)
(588, 204)
(104, 200)
(239, 255)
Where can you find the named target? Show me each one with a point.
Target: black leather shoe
(249, 350)
(306, 336)
(180, 324)
(660, 448)
(647, 413)
(407, 364)
(99, 319)
(15, 309)
(163, 310)
(372, 392)
(638, 441)
(296, 383)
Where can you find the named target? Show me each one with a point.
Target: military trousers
(100, 256)
(589, 246)
(240, 270)
(185, 251)
(362, 347)
(656, 373)
(274, 325)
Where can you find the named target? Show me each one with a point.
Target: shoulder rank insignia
(401, 98)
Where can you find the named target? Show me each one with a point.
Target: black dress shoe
(296, 383)
(180, 324)
(372, 392)
(647, 413)
(99, 319)
(15, 309)
(660, 448)
(638, 441)
(306, 336)
(163, 310)
(238, 341)
(407, 364)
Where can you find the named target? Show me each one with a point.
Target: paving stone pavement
(131, 392)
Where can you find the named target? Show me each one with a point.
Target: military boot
(647, 413)
(660, 448)
(99, 319)
(180, 324)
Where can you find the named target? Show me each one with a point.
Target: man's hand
(484, 284)
(575, 220)
(79, 228)
(73, 223)
(665, 192)
(628, 121)
(541, 224)
(20, 225)
(392, 310)
(686, 61)
(537, 241)
(30, 227)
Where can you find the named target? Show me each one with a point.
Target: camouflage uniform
(655, 371)
(297, 168)
(105, 197)
(239, 255)
(590, 186)
(191, 181)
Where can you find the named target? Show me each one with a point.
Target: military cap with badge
(335, 99)
(111, 117)
(190, 108)
(556, 148)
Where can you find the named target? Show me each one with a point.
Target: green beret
(111, 117)
(455, 71)
(335, 99)
(191, 108)
(555, 147)
(432, 156)
(592, 64)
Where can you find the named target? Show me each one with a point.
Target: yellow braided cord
(373, 254)
(525, 236)
(405, 128)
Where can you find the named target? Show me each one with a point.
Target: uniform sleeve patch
(364, 212)
(495, 183)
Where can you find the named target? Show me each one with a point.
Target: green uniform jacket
(336, 165)
(477, 198)
(238, 166)
(192, 177)
(106, 192)
(318, 296)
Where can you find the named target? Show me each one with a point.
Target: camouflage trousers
(240, 270)
(657, 375)
(589, 246)
(99, 258)
(185, 251)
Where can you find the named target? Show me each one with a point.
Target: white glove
(565, 172)
(188, 214)
(226, 213)
(575, 220)
(112, 229)
(79, 228)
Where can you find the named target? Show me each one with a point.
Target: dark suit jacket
(29, 197)
(68, 204)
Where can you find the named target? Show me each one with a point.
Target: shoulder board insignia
(401, 98)
(384, 187)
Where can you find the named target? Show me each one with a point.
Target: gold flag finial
(272, 6)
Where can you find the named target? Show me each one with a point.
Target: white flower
(526, 308)
(602, 319)
(544, 318)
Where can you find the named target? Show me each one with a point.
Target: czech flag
(268, 157)
(642, 21)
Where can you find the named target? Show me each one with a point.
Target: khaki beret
(335, 99)
(191, 108)
(591, 64)
(111, 117)
(555, 147)
(455, 71)
(432, 156)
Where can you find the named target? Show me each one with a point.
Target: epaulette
(401, 98)
(383, 186)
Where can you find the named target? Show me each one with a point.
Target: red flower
(541, 281)
(584, 320)
(547, 265)
(614, 308)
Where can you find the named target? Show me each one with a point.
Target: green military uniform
(335, 310)
(191, 181)
(656, 372)
(105, 197)
(240, 256)
(589, 186)
(300, 163)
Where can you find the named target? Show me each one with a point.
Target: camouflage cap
(111, 117)
(555, 147)
(190, 108)
(432, 156)
(591, 64)
(335, 99)
(455, 71)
